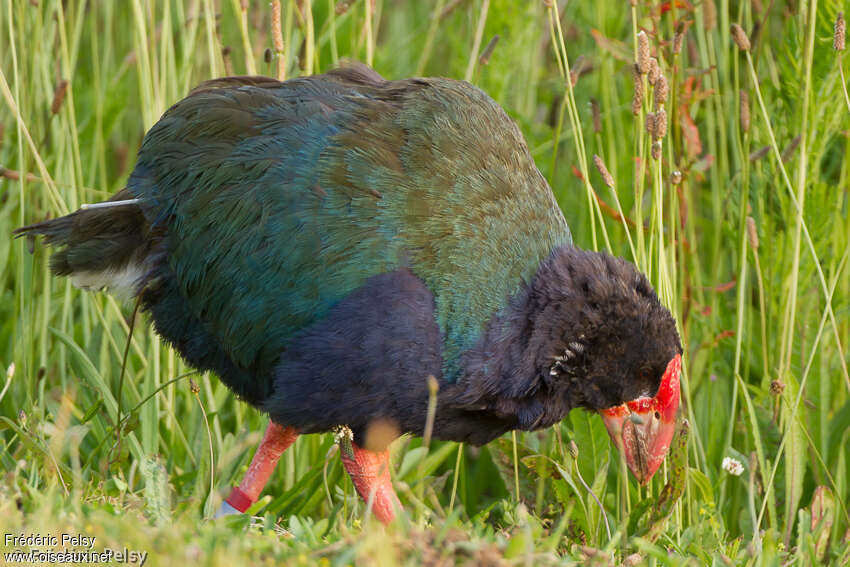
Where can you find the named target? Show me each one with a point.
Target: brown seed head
(650, 123)
(678, 40)
(277, 36)
(643, 52)
(637, 97)
(573, 448)
(193, 387)
(752, 233)
(659, 124)
(759, 153)
(484, 58)
(267, 55)
(777, 387)
(59, 96)
(580, 67)
(661, 91)
(839, 33)
(603, 171)
(676, 177)
(654, 71)
(228, 62)
(709, 15)
(342, 6)
(655, 151)
(788, 152)
(739, 36)
(745, 110)
(597, 116)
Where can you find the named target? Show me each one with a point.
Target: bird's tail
(100, 246)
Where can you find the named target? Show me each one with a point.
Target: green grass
(766, 327)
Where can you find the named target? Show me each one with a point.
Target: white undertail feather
(119, 282)
(107, 204)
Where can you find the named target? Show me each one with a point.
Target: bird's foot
(276, 440)
(370, 473)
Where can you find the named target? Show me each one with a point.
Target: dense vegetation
(728, 185)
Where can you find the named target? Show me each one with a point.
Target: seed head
(654, 71)
(603, 171)
(637, 98)
(752, 233)
(342, 6)
(643, 52)
(581, 66)
(788, 152)
(193, 387)
(661, 91)
(650, 123)
(573, 448)
(678, 39)
(759, 153)
(59, 96)
(484, 58)
(659, 129)
(655, 151)
(676, 177)
(597, 117)
(342, 432)
(228, 62)
(745, 110)
(709, 15)
(840, 32)
(777, 387)
(739, 36)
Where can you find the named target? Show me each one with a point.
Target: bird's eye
(657, 415)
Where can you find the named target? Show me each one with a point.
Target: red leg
(276, 440)
(370, 473)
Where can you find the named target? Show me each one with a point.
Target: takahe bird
(327, 243)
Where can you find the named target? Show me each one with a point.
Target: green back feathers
(282, 198)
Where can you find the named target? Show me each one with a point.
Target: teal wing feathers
(279, 199)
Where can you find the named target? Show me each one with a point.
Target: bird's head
(616, 350)
(642, 429)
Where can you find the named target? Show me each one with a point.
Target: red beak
(643, 429)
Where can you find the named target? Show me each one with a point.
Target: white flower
(733, 466)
